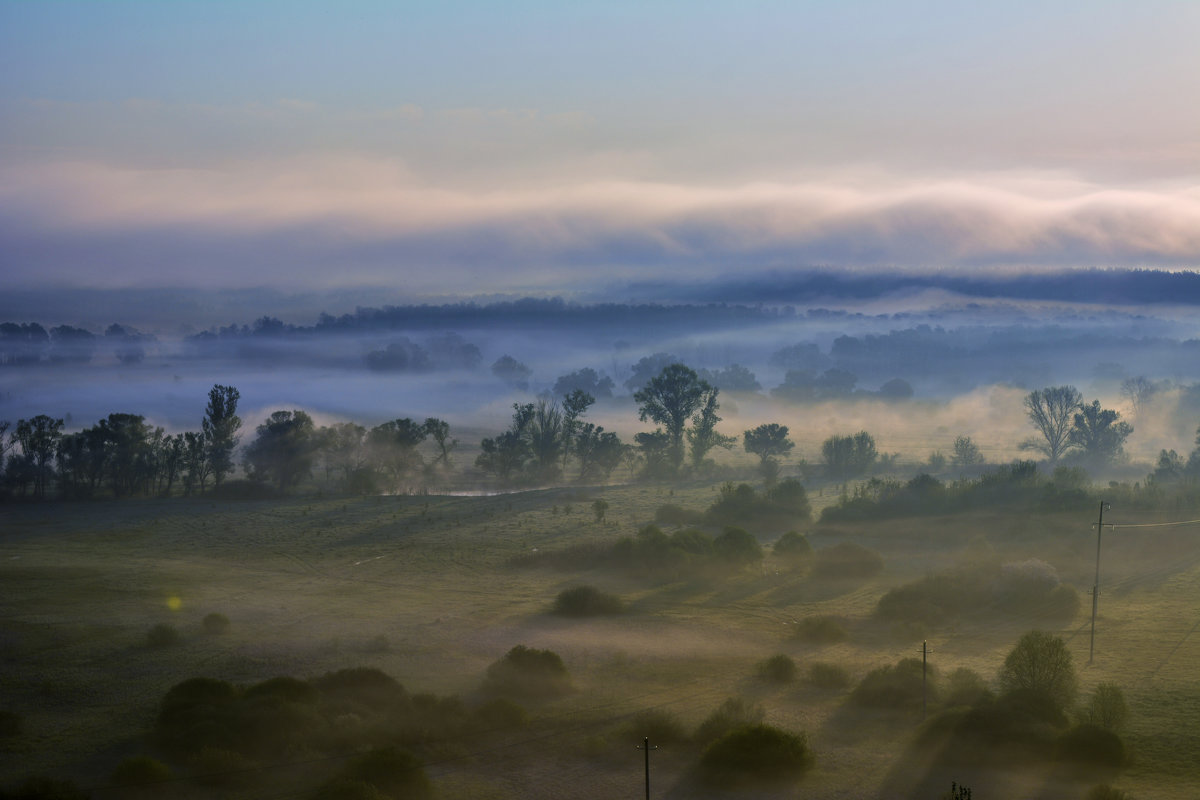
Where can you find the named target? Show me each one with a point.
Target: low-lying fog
(916, 378)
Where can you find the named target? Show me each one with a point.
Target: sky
(464, 148)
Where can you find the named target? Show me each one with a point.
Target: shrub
(215, 623)
(162, 635)
(362, 690)
(778, 668)
(824, 675)
(847, 560)
(757, 753)
(586, 601)
(736, 546)
(965, 687)
(1108, 709)
(792, 548)
(659, 726)
(140, 771)
(197, 713)
(213, 766)
(821, 629)
(671, 514)
(349, 789)
(1105, 792)
(390, 770)
(527, 672)
(898, 685)
(692, 541)
(1091, 744)
(500, 712)
(735, 712)
(284, 689)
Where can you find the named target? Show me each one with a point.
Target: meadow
(433, 589)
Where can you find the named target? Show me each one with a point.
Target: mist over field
(445, 400)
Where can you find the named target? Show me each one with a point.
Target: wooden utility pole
(1096, 583)
(645, 745)
(924, 685)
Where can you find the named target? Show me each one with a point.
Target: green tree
(1041, 665)
(849, 456)
(38, 439)
(1098, 434)
(966, 453)
(283, 450)
(1052, 410)
(703, 435)
(769, 442)
(439, 431)
(393, 446)
(220, 427)
(670, 399)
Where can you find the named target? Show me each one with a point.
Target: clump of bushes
(215, 623)
(824, 675)
(383, 772)
(661, 727)
(821, 629)
(735, 712)
(500, 712)
(778, 668)
(1107, 708)
(529, 673)
(586, 601)
(988, 587)
(847, 560)
(1091, 744)
(896, 685)
(672, 514)
(785, 503)
(792, 549)
(966, 687)
(757, 753)
(141, 771)
(162, 635)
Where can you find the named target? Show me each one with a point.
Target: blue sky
(534, 146)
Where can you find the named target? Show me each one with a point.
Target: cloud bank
(355, 220)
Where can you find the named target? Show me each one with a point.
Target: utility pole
(924, 684)
(645, 745)
(1096, 584)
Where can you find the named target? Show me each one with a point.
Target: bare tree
(1052, 412)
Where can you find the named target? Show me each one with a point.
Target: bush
(391, 771)
(162, 635)
(1105, 792)
(500, 712)
(213, 766)
(659, 726)
(847, 560)
(215, 623)
(1091, 744)
(527, 672)
(821, 629)
(778, 668)
(757, 753)
(824, 675)
(349, 789)
(792, 548)
(10, 724)
(141, 771)
(586, 601)
(735, 712)
(736, 546)
(966, 687)
(897, 685)
(671, 514)
(1041, 663)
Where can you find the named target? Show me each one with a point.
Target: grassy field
(434, 589)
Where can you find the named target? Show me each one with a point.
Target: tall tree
(220, 428)
(393, 446)
(546, 434)
(849, 456)
(670, 399)
(38, 438)
(769, 442)
(1052, 412)
(1041, 664)
(439, 431)
(195, 462)
(703, 435)
(1099, 434)
(574, 406)
(283, 450)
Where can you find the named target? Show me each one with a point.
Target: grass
(311, 582)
